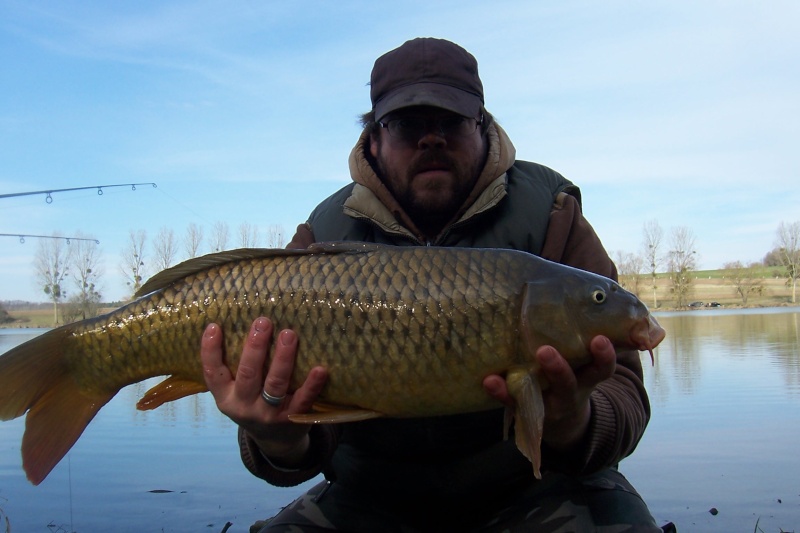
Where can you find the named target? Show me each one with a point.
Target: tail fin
(35, 378)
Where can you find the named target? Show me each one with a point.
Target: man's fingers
(282, 364)
(555, 368)
(495, 386)
(603, 364)
(242, 398)
(215, 372)
(250, 374)
(303, 398)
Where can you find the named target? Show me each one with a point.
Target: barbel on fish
(402, 331)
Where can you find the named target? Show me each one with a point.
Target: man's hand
(240, 397)
(566, 398)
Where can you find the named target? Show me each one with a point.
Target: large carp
(403, 332)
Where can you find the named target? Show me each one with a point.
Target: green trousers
(602, 502)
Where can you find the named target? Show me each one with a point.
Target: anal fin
(171, 389)
(326, 413)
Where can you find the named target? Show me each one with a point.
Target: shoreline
(42, 319)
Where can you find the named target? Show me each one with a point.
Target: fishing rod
(49, 200)
(49, 197)
(22, 237)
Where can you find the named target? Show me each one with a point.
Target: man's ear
(374, 144)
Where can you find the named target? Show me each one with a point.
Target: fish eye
(598, 296)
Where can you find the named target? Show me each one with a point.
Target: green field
(30, 318)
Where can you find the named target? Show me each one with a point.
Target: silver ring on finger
(274, 401)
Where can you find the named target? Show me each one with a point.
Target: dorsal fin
(197, 264)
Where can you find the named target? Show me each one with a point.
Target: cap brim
(430, 94)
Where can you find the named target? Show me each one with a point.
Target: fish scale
(402, 331)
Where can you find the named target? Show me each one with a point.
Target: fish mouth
(647, 334)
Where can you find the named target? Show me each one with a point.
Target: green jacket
(513, 212)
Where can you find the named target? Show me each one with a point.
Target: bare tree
(745, 279)
(86, 274)
(681, 260)
(193, 240)
(275, 235)
(165, 247)
(52, 265)
(133, 260)
(629, 268)
(219, 237)
(248, 235)
(788, 242)
(653, 236)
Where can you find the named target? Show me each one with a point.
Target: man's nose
(433, 135)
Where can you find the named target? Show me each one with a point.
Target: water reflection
(702, 339)
(724, 391)
(736, 332)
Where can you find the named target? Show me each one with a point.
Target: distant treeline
(23, 305)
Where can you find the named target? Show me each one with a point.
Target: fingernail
(260, 325)
(287, 337)
(547, 356)
(600, 342)
(211, 331)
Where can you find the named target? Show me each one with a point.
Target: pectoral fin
(528, 415)
(171, 389)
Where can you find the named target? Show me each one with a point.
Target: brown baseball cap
(426, 71)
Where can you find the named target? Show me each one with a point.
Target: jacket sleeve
(620, 406)
(323, 438)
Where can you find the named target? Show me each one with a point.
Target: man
(433, 168)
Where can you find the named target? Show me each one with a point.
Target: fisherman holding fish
(443, 339)
(433, 168)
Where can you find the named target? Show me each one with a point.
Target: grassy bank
(712, 286)
(30, 318)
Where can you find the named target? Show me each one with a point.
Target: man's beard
(431, 211)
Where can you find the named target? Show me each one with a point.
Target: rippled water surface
(725, 394)
(725, 430)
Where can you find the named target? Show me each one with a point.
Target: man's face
(433, 167)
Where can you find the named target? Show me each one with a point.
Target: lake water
(725, 394)
(725, 430)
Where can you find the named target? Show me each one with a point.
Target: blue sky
(682, 112)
